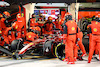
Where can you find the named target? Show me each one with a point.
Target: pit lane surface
(40, 61)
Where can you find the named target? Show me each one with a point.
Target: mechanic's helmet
(98, 17)
(1, 15)
(33, 15)
(50, 19)
(19, 16)
(6, 14)
(68, 16)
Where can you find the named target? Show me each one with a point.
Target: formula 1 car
(44, 46)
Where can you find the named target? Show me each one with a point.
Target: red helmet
(33, 15)
(19, 15)
(50, 18)
(68, 14)
(6, 13)
(37, 28)
(1, 15)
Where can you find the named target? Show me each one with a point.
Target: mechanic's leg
(91, 50)
(98, 45)
(82, 47)
(70, 52)
(75, 52)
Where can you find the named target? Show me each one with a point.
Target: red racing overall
(69, 36)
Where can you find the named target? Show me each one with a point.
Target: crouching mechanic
(48, 26)
(94, 32)
(10, 34)
(69, 38)
(3, 21)
(32, 35)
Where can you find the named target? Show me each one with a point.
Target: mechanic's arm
(9, 34)
(65, 34)
(89, 31)
(6, 23)
(53, 26)
(77, 35)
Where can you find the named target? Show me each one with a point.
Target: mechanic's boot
(96, 57)
(80, 58)
(89, 61)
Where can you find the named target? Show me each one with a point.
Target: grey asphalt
(44, 62)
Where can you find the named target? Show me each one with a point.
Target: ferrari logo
(32, 21)
(50, 18)
(16, 27)
(1, 16)
(96, 23)
(22, 14)
(73, 28)
(71, 22)
(29, 36)
(95, 29)
(39, 19)
(87, 27)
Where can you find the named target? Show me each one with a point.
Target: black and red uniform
(32, 21)
(69, 37)
(48, 26)
(94, 33)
